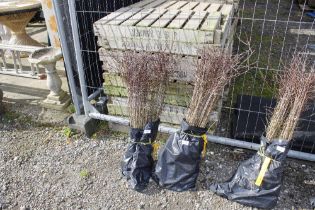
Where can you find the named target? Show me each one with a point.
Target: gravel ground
(41, 168)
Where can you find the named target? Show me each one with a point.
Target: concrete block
(83, 123)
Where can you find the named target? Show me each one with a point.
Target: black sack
(178, 162)
(241, 187)
(137, 162)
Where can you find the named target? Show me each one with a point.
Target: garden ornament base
(15, 15)
(47, 57)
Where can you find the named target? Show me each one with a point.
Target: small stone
(141, 205)
(24, 208)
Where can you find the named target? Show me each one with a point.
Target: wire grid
(274, 29)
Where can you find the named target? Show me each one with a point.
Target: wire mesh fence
(272, 29)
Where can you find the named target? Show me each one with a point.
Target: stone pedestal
(58, 102)
(47, 57)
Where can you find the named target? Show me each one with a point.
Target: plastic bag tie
(205, 142)
(142, 143)
(264, 166)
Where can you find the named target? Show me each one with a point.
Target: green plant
(68, 132)
(10, 116)
(84, 174)
(71, 109)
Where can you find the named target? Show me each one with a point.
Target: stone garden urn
(47, 57)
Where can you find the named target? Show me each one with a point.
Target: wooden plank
(178, 5)
(170, 113)
(212, 22)
(165, 19)
(109, 59)
(154, 4)
(126, 15)
(112, 16)
(184, 70)
(141, 4)
(123, 33)
(169, 99)
(195, 21)
(180, 19)
(213, 8)
(150, 45)
(166, 108)
(138, 17)
(149, 20)
(165, 117)
(227, 12)
(178, 41)
(113, 79)
(202, 6)
(307, 32)
(189, 6)
(228, 46)
(166, 4)
(174, 88)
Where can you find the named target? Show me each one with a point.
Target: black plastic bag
(178, 162)
(137, 164)
(244, 186)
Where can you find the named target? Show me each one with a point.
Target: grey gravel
(40, 168)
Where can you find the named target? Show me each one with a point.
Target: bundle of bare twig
(215, 69)
(146, 76)
(296, 87)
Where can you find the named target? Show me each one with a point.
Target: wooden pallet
(171, 114)
(184, 69)
(174, 88)
(180, 27)
(177, 100)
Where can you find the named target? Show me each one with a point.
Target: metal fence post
(79, 61)
(67, 59)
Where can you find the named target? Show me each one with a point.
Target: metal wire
(266, 25)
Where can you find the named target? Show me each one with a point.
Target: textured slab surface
(11, 6)
(180, 27)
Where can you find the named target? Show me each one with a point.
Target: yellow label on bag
(156, 147)
(263, 171)
(205, 141)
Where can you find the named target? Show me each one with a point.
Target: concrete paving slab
(26, 90)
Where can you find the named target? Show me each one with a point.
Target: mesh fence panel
(273, 29)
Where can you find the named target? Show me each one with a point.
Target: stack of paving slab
(181, 28)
